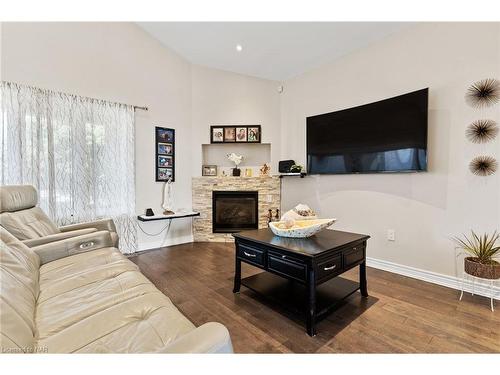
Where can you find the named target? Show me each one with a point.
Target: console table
(302, 274)
(168, 217)
(178, 215)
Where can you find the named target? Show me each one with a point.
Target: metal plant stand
(467, 279)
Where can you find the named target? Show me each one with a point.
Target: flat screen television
(386, 136)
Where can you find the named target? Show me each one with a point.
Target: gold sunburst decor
(484, 93)
(482, 131)
(483, 165)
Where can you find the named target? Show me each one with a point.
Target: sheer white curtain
(78, 152)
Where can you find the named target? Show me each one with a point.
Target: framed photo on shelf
(241, 134)
(230, 134)
(209, 170)
(165, 154)
(234, 133)
(253, 134)
(217, 134)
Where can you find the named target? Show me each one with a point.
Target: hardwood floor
(402, 315)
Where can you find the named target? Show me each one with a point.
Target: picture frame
(164, 148)
(164, 154)
(241, 134)
(216, 134)
(165, 135)
(163, 174)
(235, 133)
(209, 170)
(165, 161)
(229, 134)
(253, 134)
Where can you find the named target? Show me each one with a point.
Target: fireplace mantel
(268, 195)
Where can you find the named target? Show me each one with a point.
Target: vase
(483, 271)
(236, 172)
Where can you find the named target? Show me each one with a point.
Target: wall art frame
(164, 154)
(235, 134)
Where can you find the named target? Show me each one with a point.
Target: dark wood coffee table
(302, 275)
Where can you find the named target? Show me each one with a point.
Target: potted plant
(236, 159)
(296, 168)
(483, 249)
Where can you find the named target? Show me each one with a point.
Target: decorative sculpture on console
(167, 197)
(264, 170)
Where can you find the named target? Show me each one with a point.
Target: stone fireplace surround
(268, 189)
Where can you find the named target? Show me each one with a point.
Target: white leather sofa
(21, 216)
(58, 298)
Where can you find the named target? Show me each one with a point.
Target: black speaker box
(285, 165)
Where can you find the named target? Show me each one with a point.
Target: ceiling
(271, 50)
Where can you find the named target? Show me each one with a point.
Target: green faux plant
(484, 248)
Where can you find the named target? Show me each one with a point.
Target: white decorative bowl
(301, 228)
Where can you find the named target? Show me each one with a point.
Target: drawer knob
(249, 255)
(355, 248)
(283, 257)
(330, 268)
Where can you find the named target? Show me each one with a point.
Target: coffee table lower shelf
(291, 295)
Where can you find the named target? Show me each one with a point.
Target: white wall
(224, 98)
(117, 62)
(425, 209)
(120, 62)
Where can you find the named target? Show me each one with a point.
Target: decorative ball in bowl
(300, 228)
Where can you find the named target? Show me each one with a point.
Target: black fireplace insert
(234, 211)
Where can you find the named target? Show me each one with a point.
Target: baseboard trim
(157, 243)
(480, 288)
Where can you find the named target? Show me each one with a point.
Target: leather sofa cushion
(19, 289)
(17, 197)
(89, 302)
(28, 224)
(142, 324)
(69, 273)
(58, 312)
(68, 266)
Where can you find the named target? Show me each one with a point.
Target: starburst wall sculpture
(484, 93)
(483, 165)
(482, 131)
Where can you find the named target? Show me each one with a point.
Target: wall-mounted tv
(386, 136)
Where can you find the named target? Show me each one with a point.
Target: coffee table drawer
(329, 268)
(251, 255)
(354, 256)
(286, 267)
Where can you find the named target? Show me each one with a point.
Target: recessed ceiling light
(239, 47)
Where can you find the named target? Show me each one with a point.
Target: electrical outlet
(391, 235)
(269, 198)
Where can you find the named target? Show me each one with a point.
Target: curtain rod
(136, 107)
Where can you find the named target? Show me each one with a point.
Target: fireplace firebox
(234, 211)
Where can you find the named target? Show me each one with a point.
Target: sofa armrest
(57, 237)
(71, 246)
(208, 338)
(104, 224)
